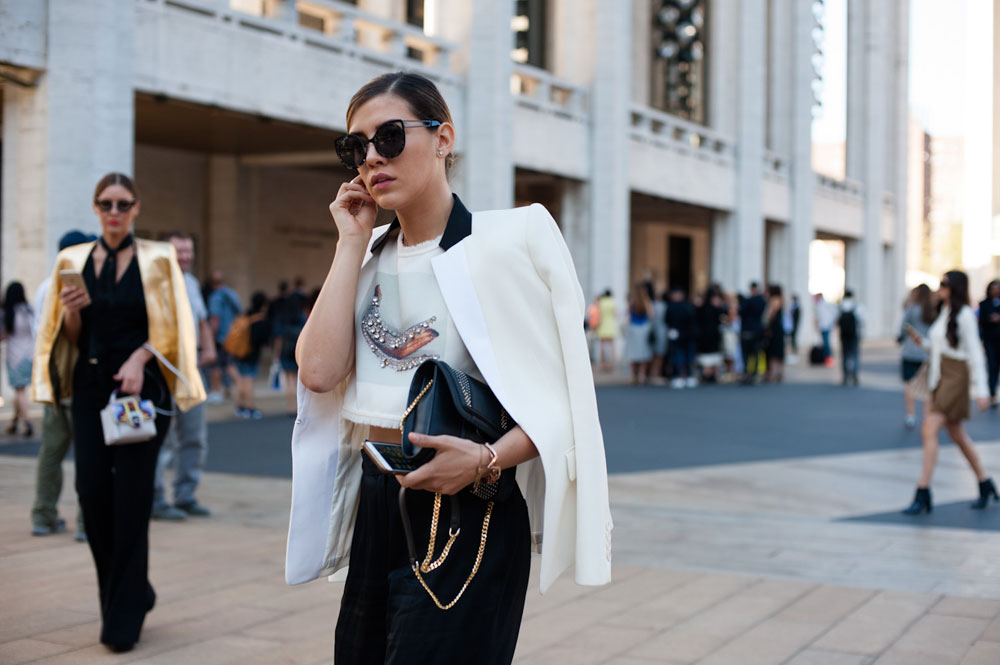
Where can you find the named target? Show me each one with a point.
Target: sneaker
(214, 398)
(194, 509)
(168, 513)
(691, 382)
(677, 383)
(48, 529)
(240, 412)
(255, 414)
(910, 422)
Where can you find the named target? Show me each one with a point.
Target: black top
(709, 318)
(989, 329)
(752, 313)
(680, 317)
(115, 323)
(260, 334)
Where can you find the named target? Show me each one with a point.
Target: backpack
(848, 324)
(237, 341)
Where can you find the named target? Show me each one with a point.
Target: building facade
(670, 139)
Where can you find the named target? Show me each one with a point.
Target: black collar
(459, 226)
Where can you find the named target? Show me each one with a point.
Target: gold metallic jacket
(171, 326)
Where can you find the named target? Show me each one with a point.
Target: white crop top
(400, 324)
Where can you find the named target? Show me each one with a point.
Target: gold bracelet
(493, 468)
(479, 471)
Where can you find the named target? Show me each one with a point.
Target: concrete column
(857, 75)
(574, 221)
(228, 232)
(723, 249)
(723, 61)
(572, 52)
(782, 61)
(610, 201)
(642, 49)
(751, 123)
(854, 269)
(64, 134)
(900, 158)
(874, 152)
(801, 229)
(777, 237)
(486, 140)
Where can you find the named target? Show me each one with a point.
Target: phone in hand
(910, 330)
(389, 458)
(73, 278)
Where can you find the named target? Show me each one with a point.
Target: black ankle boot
(986, 490)
(921, 502)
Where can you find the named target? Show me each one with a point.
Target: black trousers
(992, 347)
(750, 348)
(115, 486)
(386, 616)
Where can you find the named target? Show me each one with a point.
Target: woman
(956, 371)
(919, 315)
(774, 335)
(607, 331)
(494, 294)
(247, 366)
(989, 330)
(106, 339)
(638, 348)
(661, 340)
(17, 315)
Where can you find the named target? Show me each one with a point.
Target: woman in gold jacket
(117, 335)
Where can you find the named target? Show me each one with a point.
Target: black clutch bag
(444, 400)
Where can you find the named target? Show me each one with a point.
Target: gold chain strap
(411, 407)
(427, 566)
(475, 567)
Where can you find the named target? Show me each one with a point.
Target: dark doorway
(679, 262)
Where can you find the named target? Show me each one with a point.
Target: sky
(937, 71)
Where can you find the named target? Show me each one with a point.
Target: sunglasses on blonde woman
(389, 140)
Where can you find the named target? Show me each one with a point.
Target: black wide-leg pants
(115, 486)
(386, 616)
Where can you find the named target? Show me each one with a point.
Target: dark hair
(13, 298)
(848, 293)
(922, 297)
(258, 301)
(753, 285)
(606, 294)
(989, 287)
(774, 290)
(116, 179)
(958, 297)
(419, 93)
(283, 286)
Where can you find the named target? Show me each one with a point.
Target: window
(679, 29)
(529, 25)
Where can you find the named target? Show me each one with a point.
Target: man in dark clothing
(850, 323)
(989, 331)
(681, 332)
(751, 330)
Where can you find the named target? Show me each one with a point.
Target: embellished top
(401, 321)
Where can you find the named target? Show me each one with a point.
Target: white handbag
(130, 419)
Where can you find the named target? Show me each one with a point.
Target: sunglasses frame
(116, 205)
(342, 146)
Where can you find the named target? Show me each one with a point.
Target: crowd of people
(676, 339)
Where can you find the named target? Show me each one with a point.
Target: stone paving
(762, 563)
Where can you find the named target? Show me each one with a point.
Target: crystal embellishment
(395, 349)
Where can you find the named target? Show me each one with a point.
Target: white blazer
(512, 291)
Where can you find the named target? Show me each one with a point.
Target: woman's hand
(983, 403)
(74, 298)
(916, 337)
(354, 210)
(131, 372)
(453, 467)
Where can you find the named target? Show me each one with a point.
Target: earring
(440, 153)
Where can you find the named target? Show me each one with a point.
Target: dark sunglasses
(944, 285)
(107, 205)
(389, 140)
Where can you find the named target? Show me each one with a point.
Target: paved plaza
(753, 526)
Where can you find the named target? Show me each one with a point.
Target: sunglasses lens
(125, 206)
(351, 151)
(105, 205)
(390, 139)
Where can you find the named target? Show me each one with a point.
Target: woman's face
(944, 289)
(116, 222)
(994, 290)
(397, 182)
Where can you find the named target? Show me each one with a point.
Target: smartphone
(911, 330)
(73, 278)
(389, 458)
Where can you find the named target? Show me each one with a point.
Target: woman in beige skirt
(956, 372)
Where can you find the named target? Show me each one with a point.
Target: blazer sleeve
(552, 261)
(974, 347)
